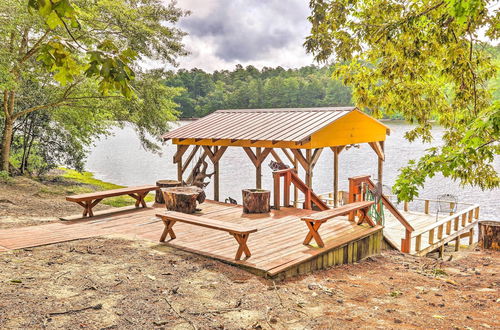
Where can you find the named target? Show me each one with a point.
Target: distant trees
(249, 87)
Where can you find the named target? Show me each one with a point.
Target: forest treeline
(249, 87)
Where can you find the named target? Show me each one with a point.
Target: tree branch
(34, 49)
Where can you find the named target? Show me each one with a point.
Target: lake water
(120, 159)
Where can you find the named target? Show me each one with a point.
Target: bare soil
(27, 202)
(115, 283)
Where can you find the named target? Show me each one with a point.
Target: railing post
(276, 179)
(405, 206)
(406, 242)
(427, 206)
(476, 213)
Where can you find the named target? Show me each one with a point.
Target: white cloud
(223, 33)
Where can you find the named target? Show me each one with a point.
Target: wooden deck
(276, 247)
(394, 231)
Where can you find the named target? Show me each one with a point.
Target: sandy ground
(115, 283)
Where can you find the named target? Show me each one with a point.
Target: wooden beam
(181, 149)
(216, 155)
(287, 154)
(378, 148)
(338, 149)
(276, 156)
(298, 154)
(190, 158)
(315, 157)
(260, 157)
(251, 155)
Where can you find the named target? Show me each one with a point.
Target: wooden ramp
(432, 232)
(277, 248)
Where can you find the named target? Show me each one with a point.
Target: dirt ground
(111, 283)
(115, 283)
(26, 202)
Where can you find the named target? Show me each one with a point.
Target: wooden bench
(239, 232)
(89, 200)
(315, 220)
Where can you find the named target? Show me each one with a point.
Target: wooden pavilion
(301, 133)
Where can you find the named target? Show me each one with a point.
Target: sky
(223, 33)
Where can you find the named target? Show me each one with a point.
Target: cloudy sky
(223, 33)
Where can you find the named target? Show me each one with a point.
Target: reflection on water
(121, 160)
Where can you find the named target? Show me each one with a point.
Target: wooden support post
(216, 175)
(295, 189)
(335, 177)
(441, 251)
(276, 190)
(181, 149)
(471, 236)
(258, 170)
(380, 173)
(457, 243)
(309, 168)
(427, 206)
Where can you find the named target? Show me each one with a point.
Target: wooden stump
(256, 201)
(182, 199)
(165, 184)
(489, 235)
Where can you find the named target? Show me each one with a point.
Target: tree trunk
(6, 144)
(165, 184)
(182, 199)
(256, 201)
(489, 235)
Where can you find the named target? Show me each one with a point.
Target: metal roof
(285, 124)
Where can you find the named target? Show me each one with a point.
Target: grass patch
(93, 184)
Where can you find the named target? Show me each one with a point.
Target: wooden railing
(448, 226)
(428, 201)
(356, 193)
(291, 177)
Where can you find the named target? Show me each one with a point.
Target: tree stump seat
(183, 199)
(256, 201)
(164, 184)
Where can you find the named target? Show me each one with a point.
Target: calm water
(121, 160)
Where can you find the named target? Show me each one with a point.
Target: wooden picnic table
(315, 220)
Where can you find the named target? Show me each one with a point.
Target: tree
(426, 60)
(85, 55)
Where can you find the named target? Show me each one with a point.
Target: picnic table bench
(239, 232)
(89, 200)
(315, 220)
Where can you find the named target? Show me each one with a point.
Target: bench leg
(168, 230)
(364, 217)
(242, 241)
(313, 233)
(139, 199)
(87, 207)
